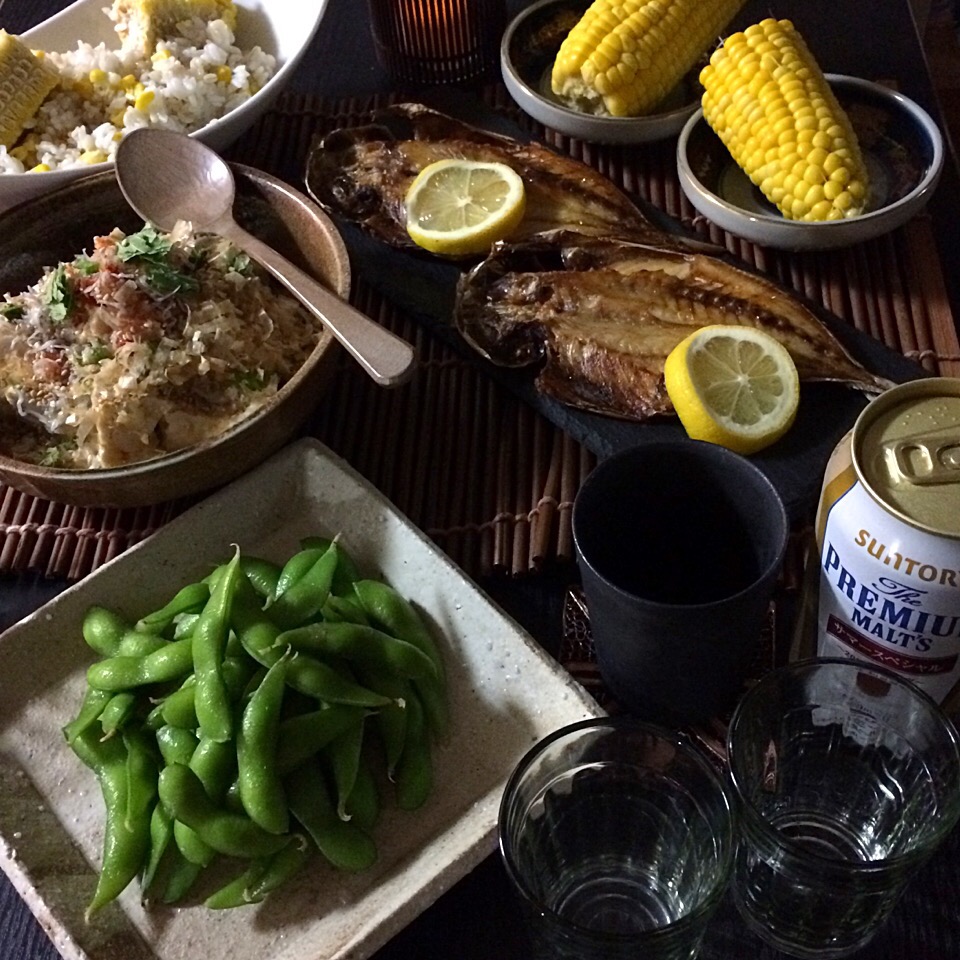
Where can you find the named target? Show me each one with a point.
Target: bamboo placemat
(488, 479)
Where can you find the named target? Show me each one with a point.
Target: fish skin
(363, 173)
(583, 252)
(602, 315)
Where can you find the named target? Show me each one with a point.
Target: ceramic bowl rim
(874, 223)
(598, 129)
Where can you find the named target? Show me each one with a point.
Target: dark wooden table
(476, 919)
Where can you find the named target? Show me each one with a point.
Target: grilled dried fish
(588, 284)
(363, 173)
(603, 315)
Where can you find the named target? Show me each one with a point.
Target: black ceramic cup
(679, 545)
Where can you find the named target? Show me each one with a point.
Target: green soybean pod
(103, 629)
(342, 842)
(302, 735)
(135, 643)
(171, 662)
(343, 609)
(212, 701)
(346, 573)
(181, 877)
(256, 631)
(298, 564)
(262, 876)
(343, 755)
(188, 599)
(390, 721)
(323, 682)
(92, 706)
(361, 645)
(161, 832)
(364, 803)
(305, 598)
(126, 838)
(261, 789)
(414, 773)
(398, 617)
(235, 835)
(117, 712)
(263, 575)
(176, 744)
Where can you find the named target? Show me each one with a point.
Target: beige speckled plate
(505, 694)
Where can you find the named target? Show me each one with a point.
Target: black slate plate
(425, 288)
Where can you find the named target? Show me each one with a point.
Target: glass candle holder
(429, 42)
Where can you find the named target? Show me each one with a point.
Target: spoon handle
(387, 358)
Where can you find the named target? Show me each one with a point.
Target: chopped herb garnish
(251, 380)
(85, 266)
(240, 263)
(145, 243)
(10, 310)
(164, 279)
(94, 353)
(58, 295)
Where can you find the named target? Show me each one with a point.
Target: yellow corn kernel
(162, 53)
(142, 23)
(224, 74)
(26, 82)
(92, 156)
(96, 75)
(144, 99)
(817, 171)
(624, 56)
(40, 168)
(117, 118)
(128, 82)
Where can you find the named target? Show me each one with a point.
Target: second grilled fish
(604, 314)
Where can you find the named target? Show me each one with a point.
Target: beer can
(888, 538)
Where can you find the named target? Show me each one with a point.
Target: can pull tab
(926, 459)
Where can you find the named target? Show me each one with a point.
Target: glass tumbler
(847, 778)
(618, 839)
(426, 42)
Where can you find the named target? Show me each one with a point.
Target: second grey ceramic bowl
(57, 226)
(527, 52)
(902, 147)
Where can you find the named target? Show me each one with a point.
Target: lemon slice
(734, 386)
(458, 207)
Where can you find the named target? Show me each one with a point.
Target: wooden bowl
(55, 227)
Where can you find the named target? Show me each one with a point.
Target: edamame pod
(235, 835)
(414, 774)
(364, 646)
(103, 629)
(302, 735)
(188, 599)
(261, 790)
(171, 662)
(342, 842)
(212, 700)
(305, 598)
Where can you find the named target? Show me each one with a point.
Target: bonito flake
(144, 345)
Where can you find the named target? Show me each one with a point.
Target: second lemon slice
(459, 207)
(734, 386)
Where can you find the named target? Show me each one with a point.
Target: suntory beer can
(888, 537)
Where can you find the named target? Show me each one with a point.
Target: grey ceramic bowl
(57, 226)
(527, 52)
(903, 150)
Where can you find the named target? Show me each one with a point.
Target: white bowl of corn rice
(902, 149)
(71, 87)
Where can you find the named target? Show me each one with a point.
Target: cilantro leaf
(11, 310)
(58, 295)
(146, 243)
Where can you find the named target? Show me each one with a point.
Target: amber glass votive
(427, 42)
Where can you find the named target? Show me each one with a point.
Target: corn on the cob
(141, 23)
(624, 56)
(767, 99)
(25, 81)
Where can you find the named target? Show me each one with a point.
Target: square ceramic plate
(505, 693)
